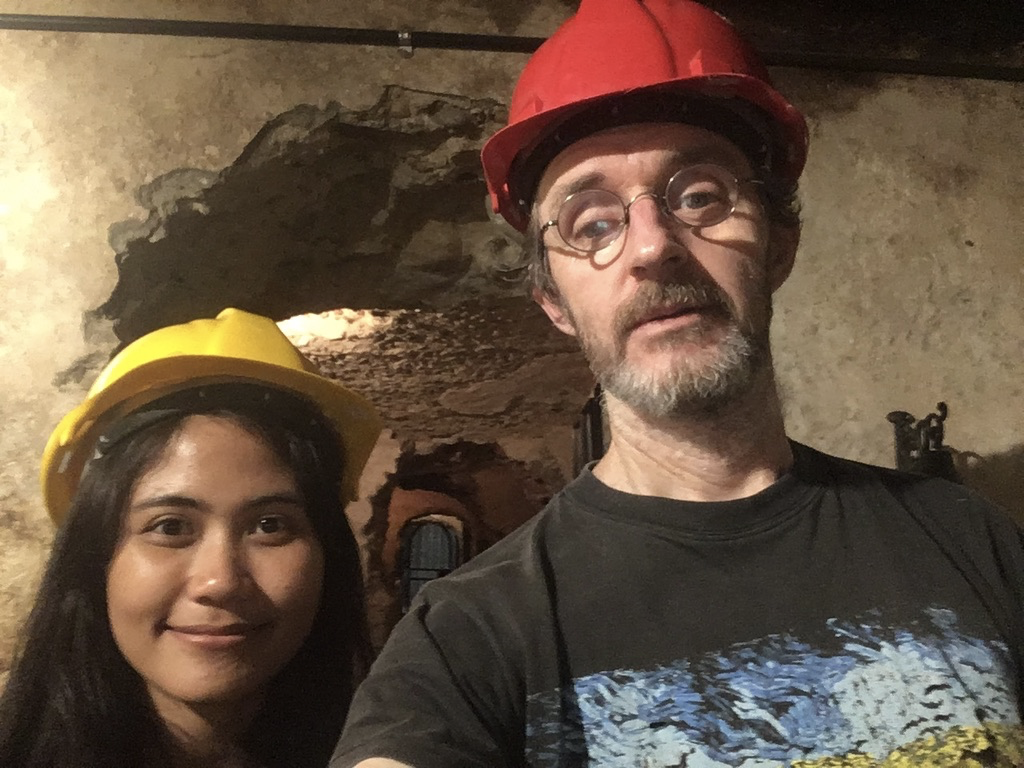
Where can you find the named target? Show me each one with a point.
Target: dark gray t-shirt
(847, 611)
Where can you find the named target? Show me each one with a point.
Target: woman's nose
(219, 569)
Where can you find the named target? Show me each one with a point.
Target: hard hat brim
(502, 149)
(72, 442)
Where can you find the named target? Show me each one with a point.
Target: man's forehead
(588, 161)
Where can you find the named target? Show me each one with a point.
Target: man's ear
(782, 245)
(553, 309)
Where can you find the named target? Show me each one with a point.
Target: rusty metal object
(919, 445)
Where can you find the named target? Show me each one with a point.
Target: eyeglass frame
(660, 198)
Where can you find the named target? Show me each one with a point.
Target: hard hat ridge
(236, 346)
(613, 49)
(743, 124)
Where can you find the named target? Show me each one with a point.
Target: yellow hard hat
(236, 346)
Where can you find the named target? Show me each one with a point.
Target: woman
(202, 605)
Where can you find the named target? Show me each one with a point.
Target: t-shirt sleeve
(1005, 572)
(986, 545)
(440, 695)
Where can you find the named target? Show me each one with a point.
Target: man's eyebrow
(702, 153)
(710, 153)
(590, 180)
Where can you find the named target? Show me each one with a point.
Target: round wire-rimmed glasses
(591, 220)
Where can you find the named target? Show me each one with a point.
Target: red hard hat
(614, 48)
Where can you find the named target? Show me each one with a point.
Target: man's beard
(729, 356)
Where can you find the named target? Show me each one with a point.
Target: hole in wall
(464, 494)
(325, 208)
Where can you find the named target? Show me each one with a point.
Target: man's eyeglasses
(699, 196)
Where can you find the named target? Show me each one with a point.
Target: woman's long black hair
(72, 699)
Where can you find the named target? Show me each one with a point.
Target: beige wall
(909, 285)
(908, 288)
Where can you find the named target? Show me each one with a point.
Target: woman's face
(217, 573)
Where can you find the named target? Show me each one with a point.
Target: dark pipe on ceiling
(407, 41)
(279, 32)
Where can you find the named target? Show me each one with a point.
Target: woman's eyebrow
(165, 500)
(188, 502)
(287, 497)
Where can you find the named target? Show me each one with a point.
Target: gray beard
(690, 387)
(687, 388)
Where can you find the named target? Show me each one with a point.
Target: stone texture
(476, 371)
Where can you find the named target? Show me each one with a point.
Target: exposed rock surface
(325, 208)
(475, 372)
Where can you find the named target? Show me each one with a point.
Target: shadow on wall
(919, 448)
(999, 478)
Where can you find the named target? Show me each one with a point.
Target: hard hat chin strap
(291, 413)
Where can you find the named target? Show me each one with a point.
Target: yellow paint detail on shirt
(991, 746)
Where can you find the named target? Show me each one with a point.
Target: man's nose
(220, 568)
(653, 237)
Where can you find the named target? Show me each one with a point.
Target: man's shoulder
(529, 540)
(843, 469)
(813, 460)
(514, 558)
(514, 570)
(930, 495)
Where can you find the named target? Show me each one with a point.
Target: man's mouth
(665, 314)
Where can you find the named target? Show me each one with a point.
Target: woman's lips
(215, 636)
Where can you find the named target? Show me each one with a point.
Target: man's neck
(729, 453)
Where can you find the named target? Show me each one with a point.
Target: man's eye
(700, 196)
(593, 228)
(697, 200)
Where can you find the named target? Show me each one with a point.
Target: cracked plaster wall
(908, 287)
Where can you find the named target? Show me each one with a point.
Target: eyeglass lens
(699, 196)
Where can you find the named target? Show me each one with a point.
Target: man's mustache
(653, 298)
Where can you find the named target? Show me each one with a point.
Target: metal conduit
(407, 41)
(280, 32)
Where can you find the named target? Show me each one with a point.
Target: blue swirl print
(862, 688)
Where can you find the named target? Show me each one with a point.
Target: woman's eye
(276, 529)
(169, 529)
(270, 524)
(281, 525)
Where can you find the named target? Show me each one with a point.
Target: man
(709, 593)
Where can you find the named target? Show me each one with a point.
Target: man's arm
(441, 694)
